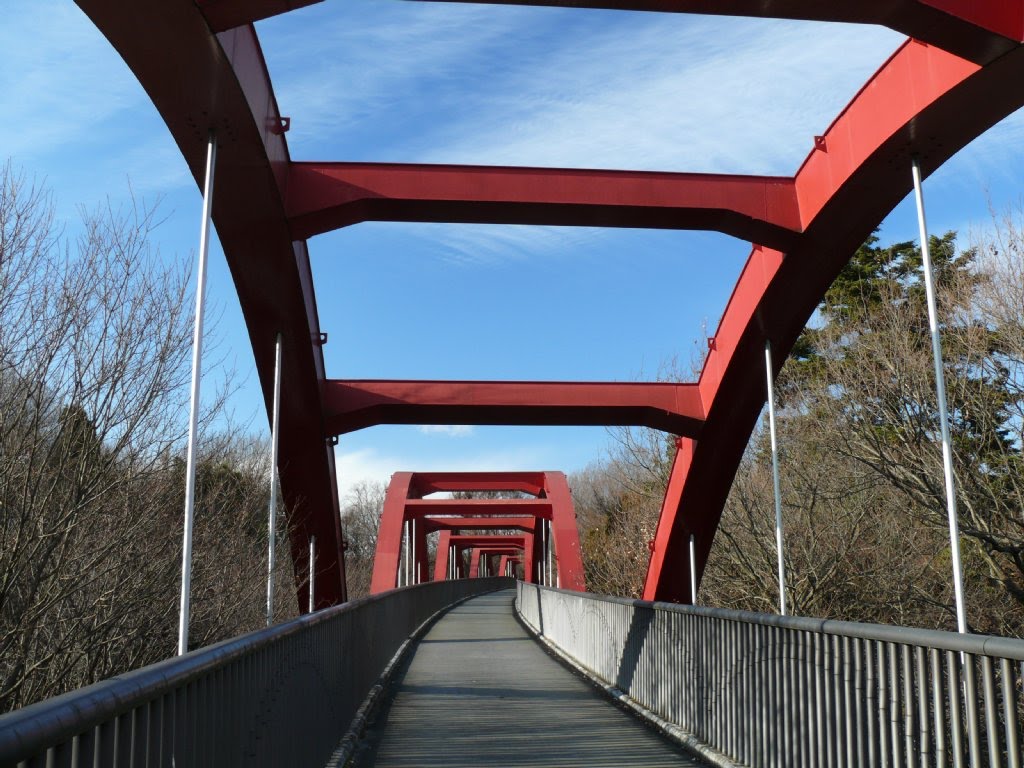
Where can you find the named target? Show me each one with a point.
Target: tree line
(866, 534)
(95, 342)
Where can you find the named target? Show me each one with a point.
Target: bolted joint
(280, 125)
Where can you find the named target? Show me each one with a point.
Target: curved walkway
(479, 691)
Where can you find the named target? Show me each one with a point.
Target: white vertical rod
(940, 390)
(193, 421)
(405, 556)
(312, 573)
(552, 579)
(543, 553)
(693, 571)
(412, 552)
(775, 475)
(272, 524)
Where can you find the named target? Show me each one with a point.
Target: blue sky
(395, 81)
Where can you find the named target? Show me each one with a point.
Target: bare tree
(94, 351)
(361, 511)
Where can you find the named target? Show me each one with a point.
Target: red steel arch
(201, 64)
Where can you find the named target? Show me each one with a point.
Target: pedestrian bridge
(455, 673)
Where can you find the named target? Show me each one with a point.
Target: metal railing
(282, 696)
(768, 690)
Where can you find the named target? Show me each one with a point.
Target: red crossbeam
(479, 523)
(417, 508)
(425, 483)
(327, 196)
(671, 407)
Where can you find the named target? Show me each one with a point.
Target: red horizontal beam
(525, 524)
(328, 196)
(353, 405)
(481, 542)
(978, 31)
(418, 508)
(424, 483)
(227, 14)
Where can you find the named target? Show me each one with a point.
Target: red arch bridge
(482, 685)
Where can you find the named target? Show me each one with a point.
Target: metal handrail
(768, 690)
(279, 696)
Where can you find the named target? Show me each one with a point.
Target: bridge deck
(480, 691)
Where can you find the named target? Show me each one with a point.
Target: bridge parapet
(766, 690)
(280, 696)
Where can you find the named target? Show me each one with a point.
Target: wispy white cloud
(449, 430)
(678, 94)
(65, 80)
(536, 87)
(528, 86)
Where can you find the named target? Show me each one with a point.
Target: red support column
(389, 537)
(568, 559)
(441, 560)
(529, 557)
(474, 562)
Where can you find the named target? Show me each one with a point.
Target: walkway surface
(479, 691)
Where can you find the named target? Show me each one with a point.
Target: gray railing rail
(767, 690)
(281, 696)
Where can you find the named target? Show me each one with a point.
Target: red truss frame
(452, 517)
(955, 78)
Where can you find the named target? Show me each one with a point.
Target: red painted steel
(426, 483)
(916, 103)
(432, 524)
(227, 14)
(415, 508)
(353, 405)
(485, 541)
(327, 196)
(925, 100)
(448, 526)
(441, 558)
(452, 516)
(479, 553)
